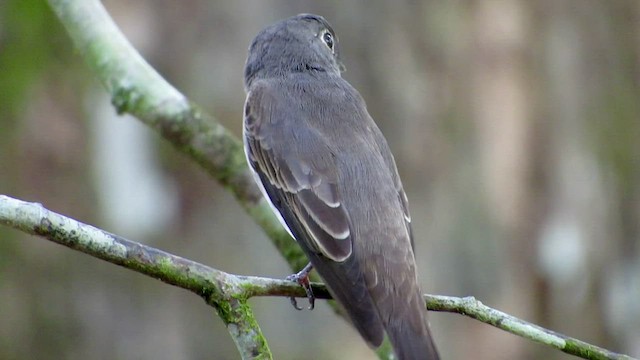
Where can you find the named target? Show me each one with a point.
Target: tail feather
(408, 342)
(394, 290)
(348, 288)
(405, 326)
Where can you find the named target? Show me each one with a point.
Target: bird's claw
(302, 278)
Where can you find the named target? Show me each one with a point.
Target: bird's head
(302, 43)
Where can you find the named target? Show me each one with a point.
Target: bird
(328, 174)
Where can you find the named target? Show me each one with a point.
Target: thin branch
(474, 309)
(229, 293)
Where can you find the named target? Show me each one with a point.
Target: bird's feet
(302, 278)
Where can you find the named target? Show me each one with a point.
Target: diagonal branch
(136, 88)
(229, 293)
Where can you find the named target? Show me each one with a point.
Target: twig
(229, 293)
(473, 308)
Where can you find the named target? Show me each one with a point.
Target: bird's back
(382, 271)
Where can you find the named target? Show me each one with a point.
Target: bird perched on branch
(326, 169)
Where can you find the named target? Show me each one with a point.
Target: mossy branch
(226, 293)
(137, 89)
(229, 293)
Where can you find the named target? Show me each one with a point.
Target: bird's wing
(391, 165)
(302, 187)
(296, 178)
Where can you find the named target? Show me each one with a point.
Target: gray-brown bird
(330, 177)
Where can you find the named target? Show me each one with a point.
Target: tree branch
(136, 88)
(474, 309)
(225, 292)
(229, 293)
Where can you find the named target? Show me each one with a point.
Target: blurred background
(515, 125)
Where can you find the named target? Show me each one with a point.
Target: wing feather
(308, 183)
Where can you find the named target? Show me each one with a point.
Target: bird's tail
(348, 288)
(404, 318)
(404, 321)
(409, 341)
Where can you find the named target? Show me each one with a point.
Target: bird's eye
(328, 39)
